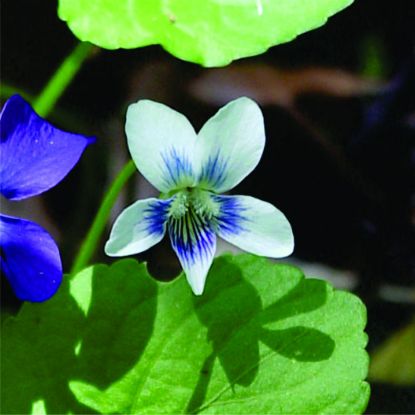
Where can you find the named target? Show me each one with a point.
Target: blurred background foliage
(339, 109)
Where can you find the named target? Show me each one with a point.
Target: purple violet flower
(34, 156)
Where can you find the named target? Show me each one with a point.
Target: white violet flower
(191, 171)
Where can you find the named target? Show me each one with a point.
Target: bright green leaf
(262, 339)
(209, 32)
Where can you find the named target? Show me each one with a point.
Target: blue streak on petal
(231, 217)
(178, 170)
(155, 216)
(213, 173)
(34, 155)
(192, 238)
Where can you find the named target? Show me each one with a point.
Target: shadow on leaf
(72, 336)
(233, 313)
(303, 344)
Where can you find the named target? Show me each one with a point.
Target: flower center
(195, 200)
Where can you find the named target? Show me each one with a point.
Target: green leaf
(209, 32)
(394, 360)
(262, 339)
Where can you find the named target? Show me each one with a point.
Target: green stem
(98, 226)
(61, 79)
(6, 91)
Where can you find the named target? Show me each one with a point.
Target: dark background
(352, 208)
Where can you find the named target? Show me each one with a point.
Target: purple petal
(29, 259)
(34, 155)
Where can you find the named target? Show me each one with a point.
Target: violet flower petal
(29, 259)
(34, 155)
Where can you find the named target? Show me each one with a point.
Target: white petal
(194, 242)
(230, 145)
(139, 227)
(254, 226)
(161, 143)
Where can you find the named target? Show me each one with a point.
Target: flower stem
(94, 234)
(6, 91)
(61, 79)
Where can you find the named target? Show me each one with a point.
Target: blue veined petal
(161, 142)
(138, 227)
(214, 171)
(29, 259)
(194, 242)
(230, 145)
(232, 217)
(254, 226)
(177, 170)
(34, 155)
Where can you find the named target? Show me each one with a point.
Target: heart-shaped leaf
(209, 32)
(262, 339)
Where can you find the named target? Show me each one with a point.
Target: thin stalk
(94, 234)
(6, 91)
(61, 79)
